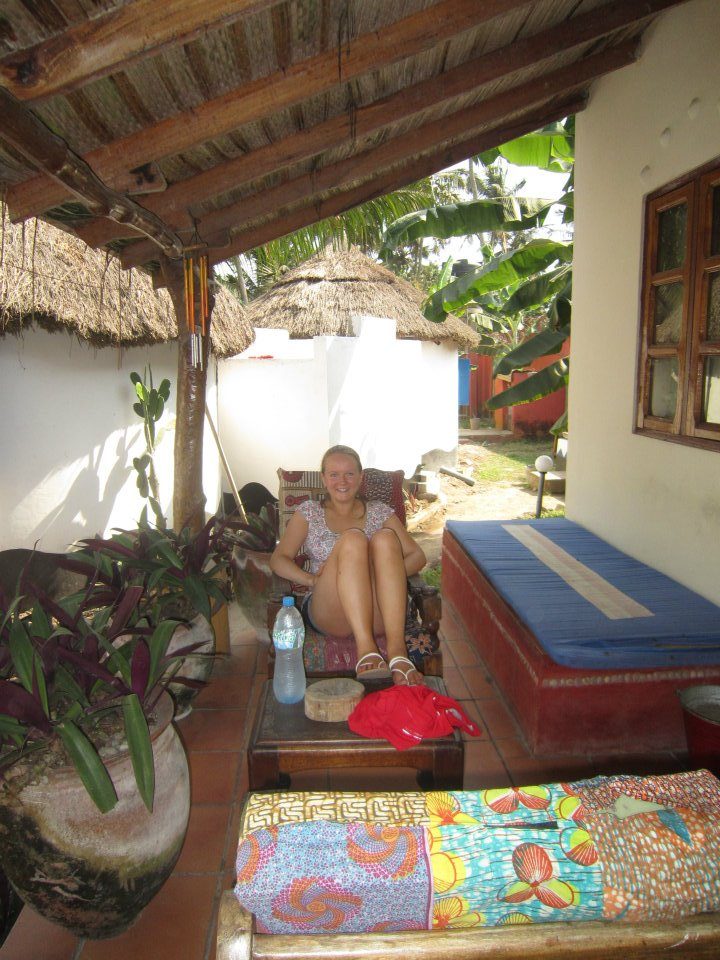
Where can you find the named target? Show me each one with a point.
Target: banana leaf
(506, 214)
(542, 344)
(536, 292)
(540, 384)
(508, 268)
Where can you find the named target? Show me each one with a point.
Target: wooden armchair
(335, 656)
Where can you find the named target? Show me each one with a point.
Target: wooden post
(188, 497)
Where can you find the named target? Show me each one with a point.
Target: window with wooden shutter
(678, 395)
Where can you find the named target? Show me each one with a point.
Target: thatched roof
(56, 281)
(321, 296)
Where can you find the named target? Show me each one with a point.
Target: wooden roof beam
(426, 164)
(174, 204)
(388, 181)
(29, 136)
(268, 95)
(394, 179)
(114, 40)
(533, 94)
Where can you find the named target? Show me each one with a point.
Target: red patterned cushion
(386, 486)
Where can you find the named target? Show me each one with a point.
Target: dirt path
(484, 501)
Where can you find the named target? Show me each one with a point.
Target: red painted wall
(526, 418)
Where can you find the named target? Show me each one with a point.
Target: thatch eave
(323, 295)
(51, 280)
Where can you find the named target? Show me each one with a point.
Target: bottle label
(287, 639)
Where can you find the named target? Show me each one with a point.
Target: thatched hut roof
(54, 280)
(320, 297)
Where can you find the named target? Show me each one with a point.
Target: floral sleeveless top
(320, 539)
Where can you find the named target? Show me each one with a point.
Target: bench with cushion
(587, 645)
(612, 866)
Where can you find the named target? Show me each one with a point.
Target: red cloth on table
(406, 715)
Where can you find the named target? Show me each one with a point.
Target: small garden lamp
(542, 465)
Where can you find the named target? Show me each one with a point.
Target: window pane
(663, 387)
(713, 308)
(671, 237)
(711, 390)
(667, 319)
(715, 229)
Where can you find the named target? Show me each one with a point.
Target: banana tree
(518, 289)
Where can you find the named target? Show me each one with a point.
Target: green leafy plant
(519, 297)
(261, 531)
(178, 573)
(75, 674)
(150, 406)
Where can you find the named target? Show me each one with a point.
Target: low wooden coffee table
(284, 741)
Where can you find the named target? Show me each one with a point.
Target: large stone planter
(195, 666)
(253, 580)
(91, 872)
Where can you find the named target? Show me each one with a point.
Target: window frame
(692, 348)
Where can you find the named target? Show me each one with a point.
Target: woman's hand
(413, 555)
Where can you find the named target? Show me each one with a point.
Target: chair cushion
(386, 486)
(326, 656)
(297, 486)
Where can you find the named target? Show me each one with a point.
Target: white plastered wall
(284, 402)
(645, 126)
(70, 434)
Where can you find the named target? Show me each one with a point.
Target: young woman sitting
(360, 557)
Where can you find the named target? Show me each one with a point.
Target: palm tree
(363, 226)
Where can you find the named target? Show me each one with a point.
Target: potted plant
(94, 783)
(252, 546)
(180, 578)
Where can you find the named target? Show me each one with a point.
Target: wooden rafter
(29, 136)
(115, 39)
(316, 209)
(175, 203)
(394, 179)
(531, 95)
(267, 95)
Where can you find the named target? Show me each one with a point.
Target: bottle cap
(288, 601)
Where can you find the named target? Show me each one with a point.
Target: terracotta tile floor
(179, 924)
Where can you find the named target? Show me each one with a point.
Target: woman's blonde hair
(346, 451)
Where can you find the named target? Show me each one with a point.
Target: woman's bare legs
(342, 601)
(390, 587)
(362, 591)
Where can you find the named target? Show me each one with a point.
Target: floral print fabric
(657, 864)
(512, 855)
(327, 877)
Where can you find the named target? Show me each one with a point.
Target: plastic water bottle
(288, 637)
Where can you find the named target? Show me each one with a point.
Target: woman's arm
(282, 561)
(413, 555)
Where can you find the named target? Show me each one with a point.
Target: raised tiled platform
(561, 710)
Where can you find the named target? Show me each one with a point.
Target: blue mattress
(678, 627)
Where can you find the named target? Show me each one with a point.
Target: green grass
(431, 575)
(506, 461)
(558, 512)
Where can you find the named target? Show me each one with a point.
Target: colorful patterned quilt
(609, 848)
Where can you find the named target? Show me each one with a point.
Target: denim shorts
(305, 613)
